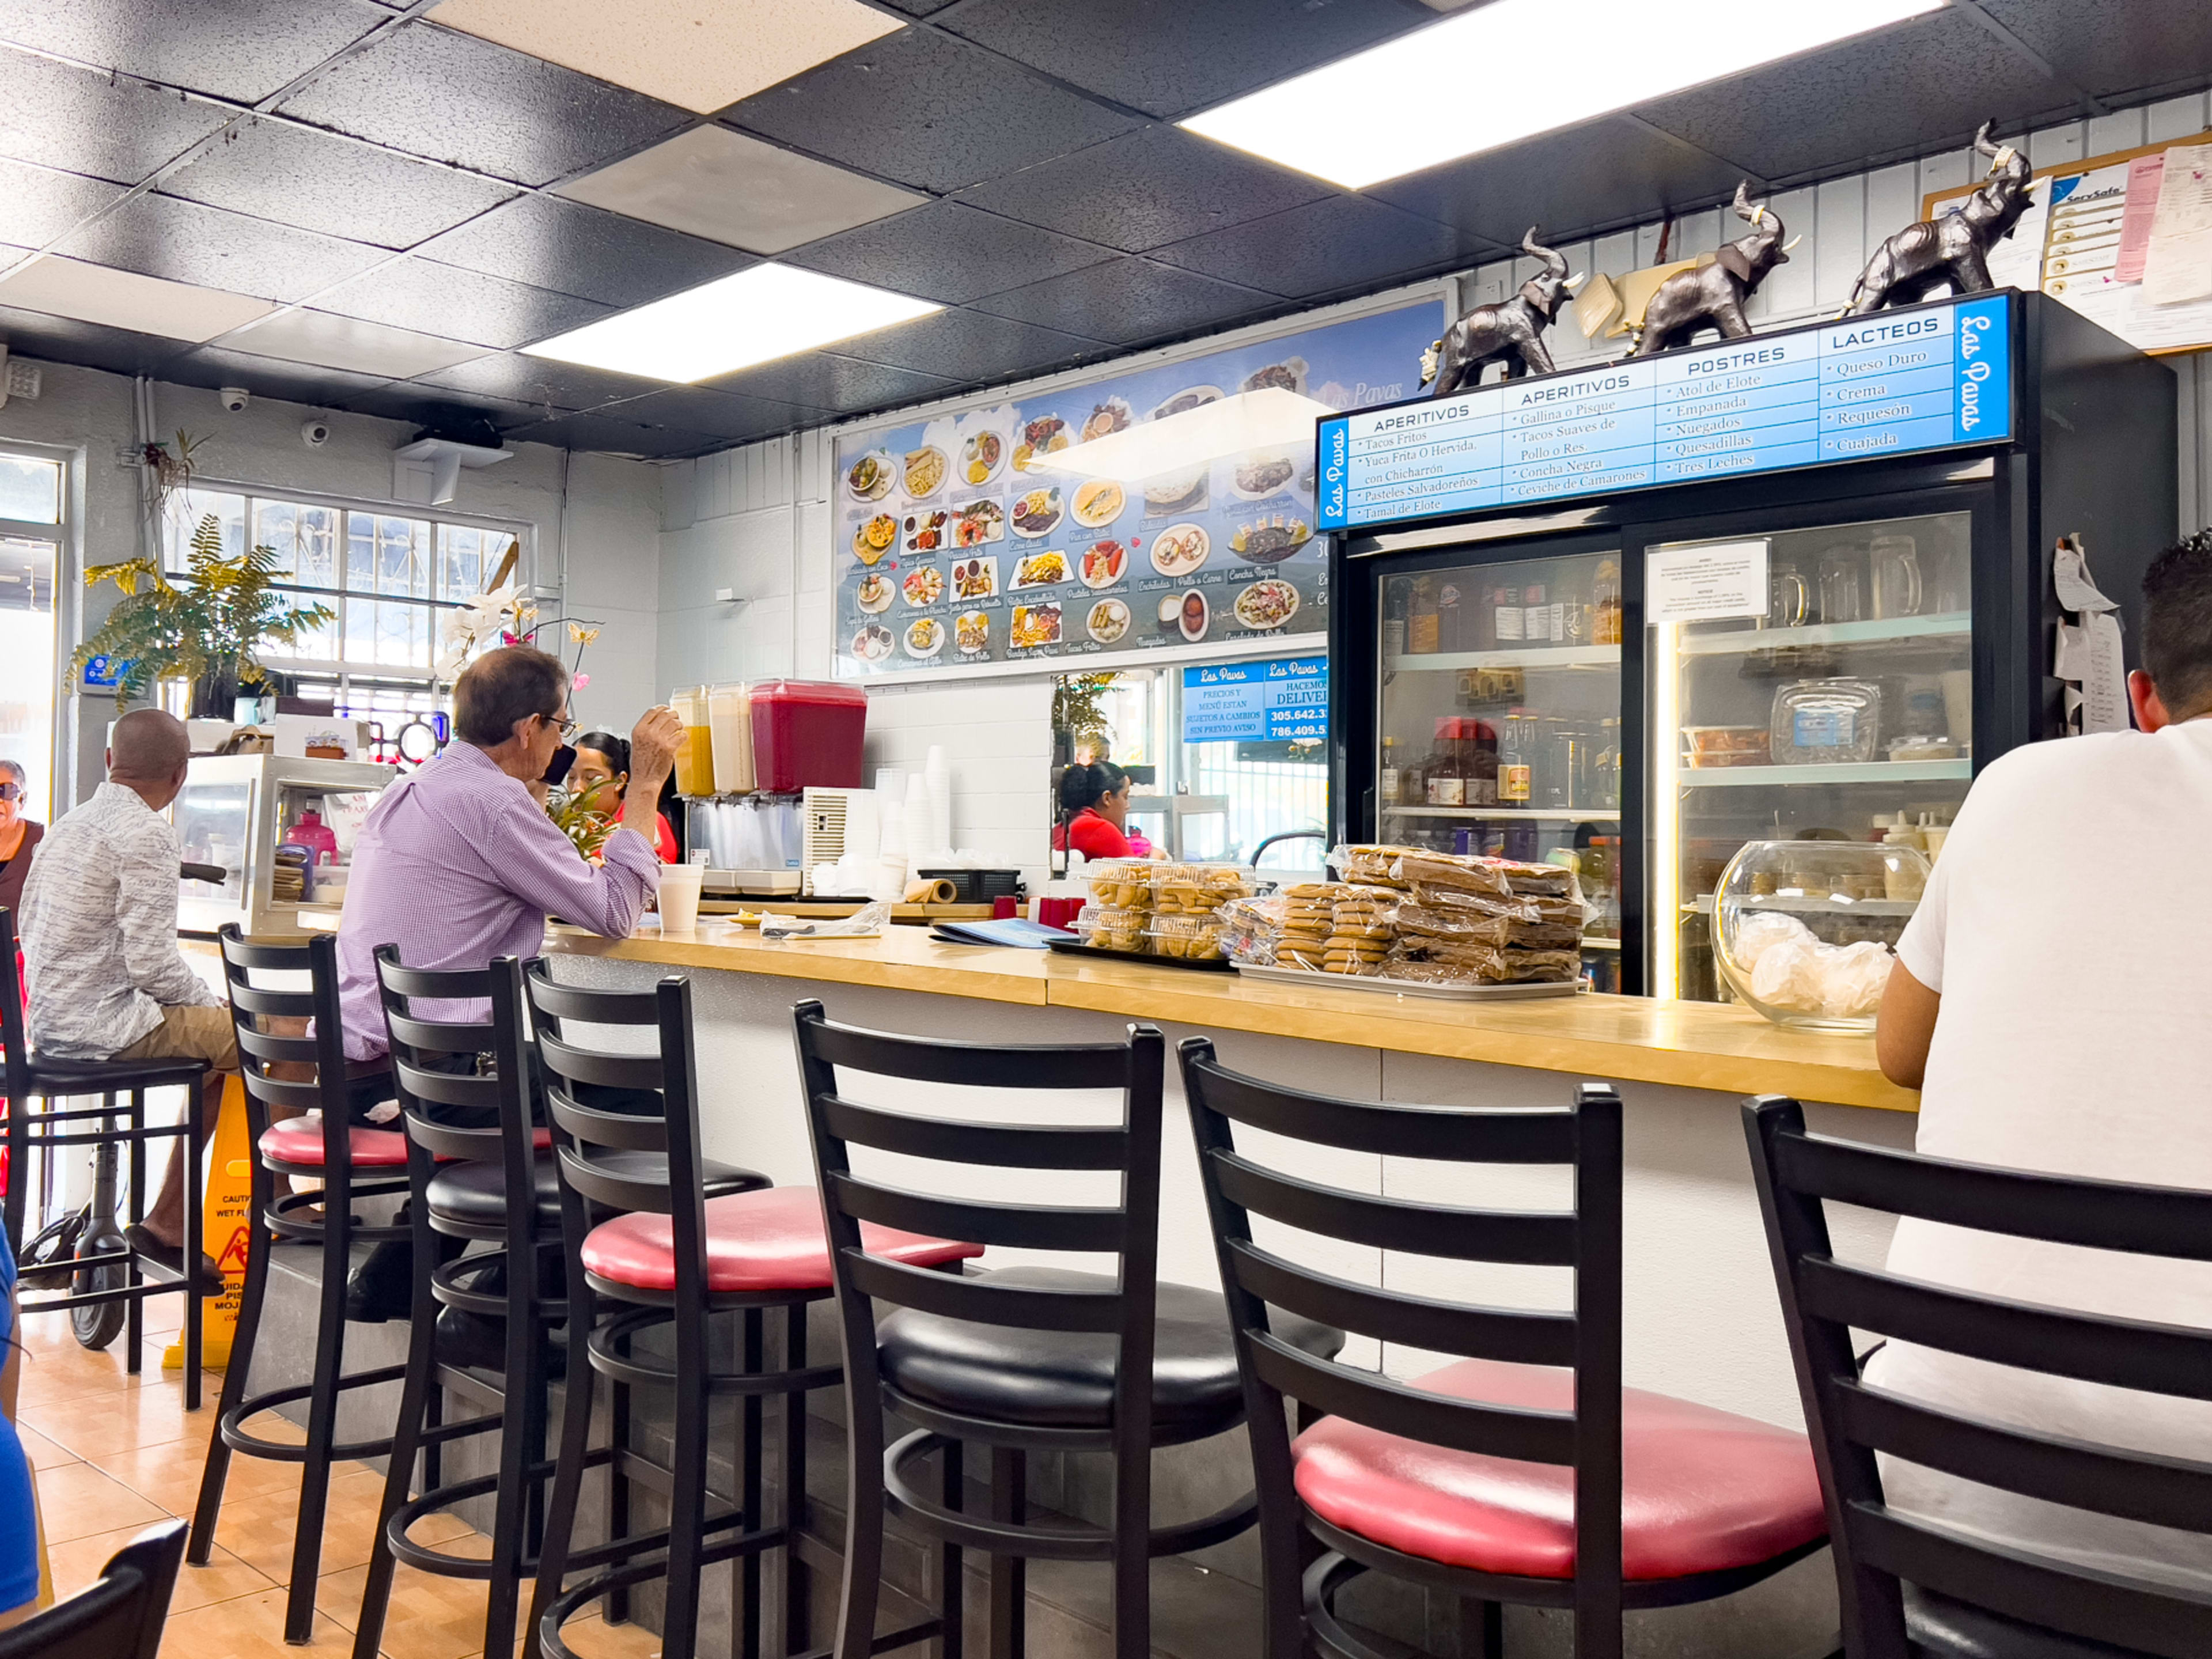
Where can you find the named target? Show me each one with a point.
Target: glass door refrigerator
(1787, 588)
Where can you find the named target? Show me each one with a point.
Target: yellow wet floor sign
(224, 1233)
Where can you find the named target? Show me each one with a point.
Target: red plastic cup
(1002, 907)
(1055, 912)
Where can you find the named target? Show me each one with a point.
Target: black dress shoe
(207, 1281)
(479, 1342)
(383, 1286)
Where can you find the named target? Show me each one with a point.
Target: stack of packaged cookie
(1484, 921)
(1252, 929)
(1335, 926)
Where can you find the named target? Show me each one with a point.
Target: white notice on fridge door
(1707, 583)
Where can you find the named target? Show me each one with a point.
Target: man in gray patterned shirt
(106, 981)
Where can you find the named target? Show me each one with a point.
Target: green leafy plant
(587, 816)
(207, 627)
(1078, 707)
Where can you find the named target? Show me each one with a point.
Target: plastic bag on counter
(1438, 962)
(1490, 878)
(1465, 923)
(1252, 929)
(1368, 863)
(869, 919)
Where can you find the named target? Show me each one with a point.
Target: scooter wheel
(97, 1324)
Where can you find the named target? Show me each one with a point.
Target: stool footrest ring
(238, 1440)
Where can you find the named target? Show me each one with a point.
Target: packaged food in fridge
(1827, 722)
(1727, 745)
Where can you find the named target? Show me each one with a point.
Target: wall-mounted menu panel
(1894, 383)
(969, 539)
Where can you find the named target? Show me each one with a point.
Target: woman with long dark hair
(1094, 809)
(602, 764)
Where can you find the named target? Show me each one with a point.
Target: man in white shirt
(2052, 1000)
(99, 947)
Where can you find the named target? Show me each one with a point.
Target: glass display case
(1843, 714)
(238, 812)
(1500, 719)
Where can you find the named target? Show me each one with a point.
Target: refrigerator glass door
(1847, 703)
(1500, 728)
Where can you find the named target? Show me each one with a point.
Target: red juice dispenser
(807, 734)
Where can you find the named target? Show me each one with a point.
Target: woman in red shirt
(1094, 804)
(602, 758)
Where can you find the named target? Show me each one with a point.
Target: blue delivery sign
(1895, 383)
(1278, 700)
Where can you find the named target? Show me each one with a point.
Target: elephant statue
(1510, 331)
(1953, 248)
(1713, 296)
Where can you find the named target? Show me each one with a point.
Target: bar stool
(1523, 1473)
(1912, 1585)
(47, 1078)
(334, 1152)
(1017, 1359)
(658, 1240)
(468, 1112)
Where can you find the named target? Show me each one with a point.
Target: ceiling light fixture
(1396, 108)
(768, 311)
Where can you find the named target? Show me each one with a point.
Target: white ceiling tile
(729, 187)
(124, 299)
(332, 341)
(702, 55)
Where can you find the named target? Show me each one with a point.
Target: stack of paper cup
(891, 814)
(918, 845)
(936, 771)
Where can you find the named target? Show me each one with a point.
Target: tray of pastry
(1076, 947)
(1464, 992)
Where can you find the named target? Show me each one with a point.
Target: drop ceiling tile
(1601, 174)
(968, 348)
(574, 249)
(928, 111)
(717, 414)
(610, 437)
(828, 380)
(949, 252)
(38, 204)
(422, 405)
(161, 236)
(125, 299)
(1156, 185)
(731, 187)
(92, 345)
(920, 7)
(81, 121)
(265, 377)
(540, 382)
(303, 176)
(1171, 59)
(466, 304)
(2154, 43)
(1129, 302)
(1342, 243)
(700, 56)
(450, 97)
(1940, 76)
(241, 50)
(322, 338)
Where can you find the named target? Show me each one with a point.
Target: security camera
(235, 397)
(314, 433)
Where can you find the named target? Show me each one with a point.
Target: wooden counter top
(1699, 1045)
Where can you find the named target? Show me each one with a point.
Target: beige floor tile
(42, 1452)
(76, 1500)
(428, 1618)
(259, 1528)
(594, 1638)
(112, 1422)
(245, 1628)
(169, 1474)
(224, 1578)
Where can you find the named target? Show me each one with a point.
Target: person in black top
(19, 835)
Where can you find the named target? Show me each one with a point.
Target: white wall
(755, 519)
(595, 517)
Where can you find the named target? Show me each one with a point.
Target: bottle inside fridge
(1846, 703)
(1500, 707)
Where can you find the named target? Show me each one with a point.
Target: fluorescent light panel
(1398, 108)
(329, 341)
(768, 311)
(125, 299)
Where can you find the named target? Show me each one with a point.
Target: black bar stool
(1914, 1586)
(1523, 1473)
(331, 1151)
(32, 1077)
(1018, 1359)
(659, 1239)
(473, 1145)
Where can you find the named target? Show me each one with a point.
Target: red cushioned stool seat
(1702, 1491)
(765, 1240)
(299, 1140)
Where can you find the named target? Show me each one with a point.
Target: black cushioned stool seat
(51, 1075)
(1063, 1379)
(475, 1195)
(1940, 1628)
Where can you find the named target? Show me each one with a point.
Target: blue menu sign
(1894, 383)
(1271, 701)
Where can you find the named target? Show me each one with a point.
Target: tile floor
(115, 1453)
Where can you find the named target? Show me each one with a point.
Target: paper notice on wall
(1706, 582)
(2143, 175)
(2177, 258)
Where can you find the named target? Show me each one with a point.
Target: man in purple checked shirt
(458, 864)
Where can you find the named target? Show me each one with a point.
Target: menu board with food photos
(966, 540)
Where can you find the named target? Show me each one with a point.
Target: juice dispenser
(730, 719)
(695, 756)
(807, 734)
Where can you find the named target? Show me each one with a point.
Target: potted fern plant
(207, 628)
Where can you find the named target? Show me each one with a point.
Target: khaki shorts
(188, 1033)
